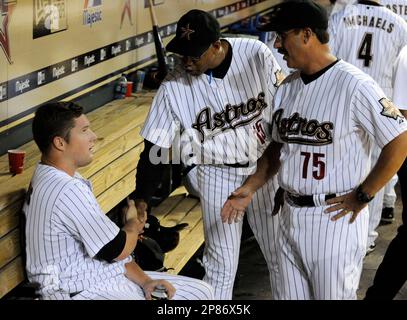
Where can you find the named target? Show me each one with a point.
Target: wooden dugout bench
(112, 173)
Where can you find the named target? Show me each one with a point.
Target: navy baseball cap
(196, 31)
(296, 14)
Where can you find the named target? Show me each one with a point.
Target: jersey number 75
(318, 165)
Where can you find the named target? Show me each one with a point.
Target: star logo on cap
(186, 32)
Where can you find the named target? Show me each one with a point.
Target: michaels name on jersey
(296, 129)
(372, 22)
(232, 117)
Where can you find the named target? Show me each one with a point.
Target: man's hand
(141, 207)
(138, 215)
(234, 208)
(345, 204)
(150, 285)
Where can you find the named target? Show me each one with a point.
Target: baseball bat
(159, 46)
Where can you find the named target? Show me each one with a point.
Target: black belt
(238, 165)
(306, 201)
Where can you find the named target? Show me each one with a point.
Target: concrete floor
(252, 282)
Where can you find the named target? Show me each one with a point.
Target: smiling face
(290, 44)
(79, 147)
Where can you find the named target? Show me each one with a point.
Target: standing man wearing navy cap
(325, 116)
(392, 272)
(217, 100)
(370, 36)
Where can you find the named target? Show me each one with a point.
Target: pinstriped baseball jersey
(369, 36)
(219, 116)
(400, 80)
(327, 126)
(399, 7)
(65, 228)
(340, 4)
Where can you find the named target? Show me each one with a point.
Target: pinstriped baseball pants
(121, 288)
(222, 240)
(320, 259)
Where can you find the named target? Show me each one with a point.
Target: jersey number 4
(317, 163)
(365, 49)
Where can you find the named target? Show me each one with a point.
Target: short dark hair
(55, 119)
(322, 35)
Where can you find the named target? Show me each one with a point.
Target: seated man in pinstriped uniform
(73, 250)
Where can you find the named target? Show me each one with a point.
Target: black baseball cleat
(387, 216)
(371, 248)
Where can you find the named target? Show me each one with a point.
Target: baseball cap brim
(179, 46)
(273, 25)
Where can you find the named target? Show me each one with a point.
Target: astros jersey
(400, 80)
(327, 125)
(221, 117)
(340, 4)
(65, 228)
(370, 37)
(399, 7)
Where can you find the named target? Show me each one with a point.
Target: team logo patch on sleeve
(279, 77)
(389, 109)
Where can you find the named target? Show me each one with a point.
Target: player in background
(399, 7)
(325, 116)
(338, 5)
(370, 36)
(392, 272)
(389, 198)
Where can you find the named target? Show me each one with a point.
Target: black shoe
(387, 216)
(371, 248)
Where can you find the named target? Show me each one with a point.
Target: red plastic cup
(16, 160)
(129, 90)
